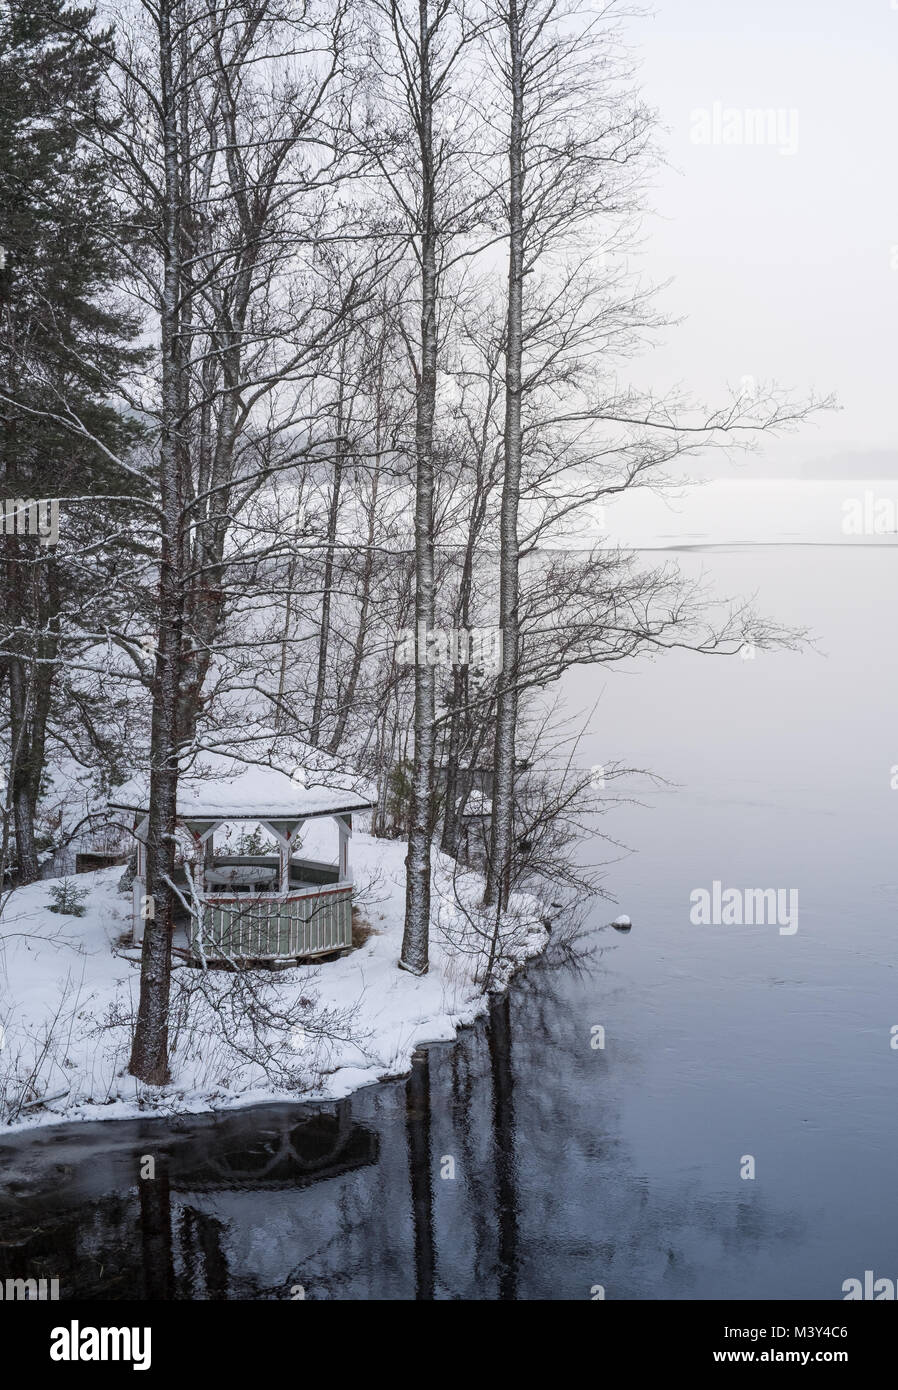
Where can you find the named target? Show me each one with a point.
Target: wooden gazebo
(245, 908)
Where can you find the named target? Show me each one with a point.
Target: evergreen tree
(65, 344)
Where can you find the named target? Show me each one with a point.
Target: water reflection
(357, 1200)
(420, 1164)
(573, 1166)
(499, 1035)
(157, 1241)
(289, 1152)
(106, 1231)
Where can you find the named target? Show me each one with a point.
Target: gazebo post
(344, 825)
(202, 858)
(138, 887)
(284, 864)
(206, 859)
(285, 841)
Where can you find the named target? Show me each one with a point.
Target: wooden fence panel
(275, 928)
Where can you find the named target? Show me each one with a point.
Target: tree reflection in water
(346, 1199)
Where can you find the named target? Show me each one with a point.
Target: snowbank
(69, 988)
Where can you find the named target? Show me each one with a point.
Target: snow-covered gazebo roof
(224, 786)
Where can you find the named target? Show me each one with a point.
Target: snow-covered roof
(223, 786)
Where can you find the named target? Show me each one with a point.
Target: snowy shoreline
(69, 988)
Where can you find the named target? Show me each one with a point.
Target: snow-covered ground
(69, 985)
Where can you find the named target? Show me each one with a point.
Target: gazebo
(256, 907)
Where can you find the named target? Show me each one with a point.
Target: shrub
(68, 899)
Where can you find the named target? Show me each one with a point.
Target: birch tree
(578, 143)
(502, 827)
(421, 48)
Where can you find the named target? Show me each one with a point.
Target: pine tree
(65, 343)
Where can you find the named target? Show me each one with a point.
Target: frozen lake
(520, 1162)
(724, 1041)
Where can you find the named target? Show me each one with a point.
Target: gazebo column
(203, 840)
(139, 884)
(284, 858)
(344, 825)
(286, 835)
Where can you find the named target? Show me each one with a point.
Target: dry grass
(361, 929)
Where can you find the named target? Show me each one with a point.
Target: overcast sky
(781, 260)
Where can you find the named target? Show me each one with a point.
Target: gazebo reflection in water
(288, 1151)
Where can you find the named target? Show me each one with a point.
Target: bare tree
(420, 58)
(577, 142)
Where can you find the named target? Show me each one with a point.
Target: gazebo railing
(273, 926)
(312, 871)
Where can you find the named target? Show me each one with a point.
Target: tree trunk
(280, 712)
(358, 651)
(502, 824)
(21, 770)
(358, 654)
(21, 799)
(416, 936)
(149, 1055)
(458, 741)
(325, 626)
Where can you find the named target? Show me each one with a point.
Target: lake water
(522, 1162)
